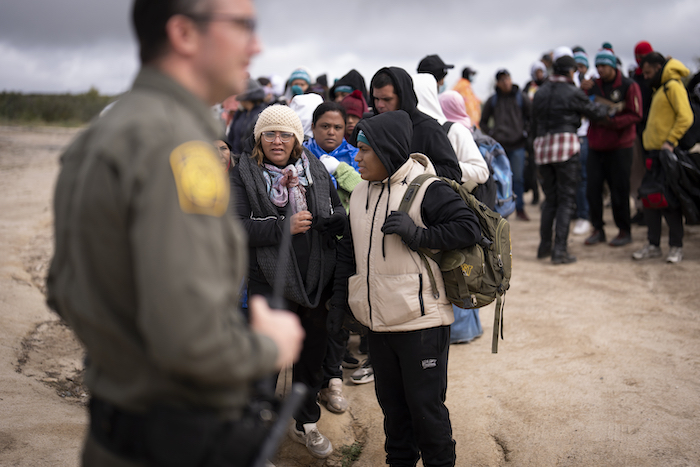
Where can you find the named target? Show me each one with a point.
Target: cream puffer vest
(391, 291)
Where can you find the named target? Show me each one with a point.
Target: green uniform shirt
(148, 263)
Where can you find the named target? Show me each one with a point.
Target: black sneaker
(563, 258)
(544, 251)
(597, 237)
(349, 361)
(623, 238)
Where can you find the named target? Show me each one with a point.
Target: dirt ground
(600, 364)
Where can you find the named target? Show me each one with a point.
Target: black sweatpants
(410, 377)
(309, 368)
(613, 167)
(674, 219)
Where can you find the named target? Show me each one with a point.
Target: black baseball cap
(434, 65)
(468, 72)
(502, 72)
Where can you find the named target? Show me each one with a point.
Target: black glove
(337, 223)
(400, 223)
(336, 316)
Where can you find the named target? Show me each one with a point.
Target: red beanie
(643, 48)
(355, 104)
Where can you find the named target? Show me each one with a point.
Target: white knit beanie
(279, 118)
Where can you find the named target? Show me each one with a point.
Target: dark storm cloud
(75, 44)
(68, 23)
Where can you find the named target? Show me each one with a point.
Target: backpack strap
(412, 191)
(666, 93)
(447, 125)
(497, 322)
(405, 205)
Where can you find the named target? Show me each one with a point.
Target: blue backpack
(498, 163)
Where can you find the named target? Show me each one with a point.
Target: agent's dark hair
(653, 58)
(263, 81)
(149, 18)
(381, 79)
(329, 106)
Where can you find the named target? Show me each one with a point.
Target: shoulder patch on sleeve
(202, 185)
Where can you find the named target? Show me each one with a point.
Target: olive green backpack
(475, 276)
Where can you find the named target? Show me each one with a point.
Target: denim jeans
(517, 166)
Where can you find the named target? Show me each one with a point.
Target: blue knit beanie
(361, 138)
(300, 74)
(606, 57)
(582, 58)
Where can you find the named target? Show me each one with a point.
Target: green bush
(56, 109)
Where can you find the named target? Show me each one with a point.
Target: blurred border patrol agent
(148, 261)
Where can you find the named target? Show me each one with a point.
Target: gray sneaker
(333, 397)
(317, 444)
(675, 255)
(649, 251)
(364, 374)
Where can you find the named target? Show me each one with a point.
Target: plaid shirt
(556, 147)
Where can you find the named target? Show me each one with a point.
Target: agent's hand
(586, 84)
(300, 222)
(667, 145)
(282, 326)
(400, 223)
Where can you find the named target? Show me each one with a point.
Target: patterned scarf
(289, 184)
(305, 289)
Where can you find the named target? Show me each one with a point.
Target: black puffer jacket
(559, 105)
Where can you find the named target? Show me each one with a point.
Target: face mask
(442, 88)
(296, 90)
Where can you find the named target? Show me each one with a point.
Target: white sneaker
(649, 251)
(675, 255)
(317, 444)
(333, 397)
(581, 227)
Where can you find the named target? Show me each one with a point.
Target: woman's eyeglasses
(270, 136)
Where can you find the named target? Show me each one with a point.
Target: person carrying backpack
(510, 111)
(383, 280)
(670, 117)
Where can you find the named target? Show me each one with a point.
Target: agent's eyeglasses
(270, 136)
(248, 24)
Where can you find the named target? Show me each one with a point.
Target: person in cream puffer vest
(386, 285)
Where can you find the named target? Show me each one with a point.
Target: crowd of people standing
(162, 224)
(574, 132)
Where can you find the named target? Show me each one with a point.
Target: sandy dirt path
(600, 363)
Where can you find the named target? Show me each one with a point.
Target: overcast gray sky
(71, 45)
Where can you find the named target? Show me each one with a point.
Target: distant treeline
(56, 109)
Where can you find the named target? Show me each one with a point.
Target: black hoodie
(450, 223)
(429, 137)
(389, 136)
(353, 79)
